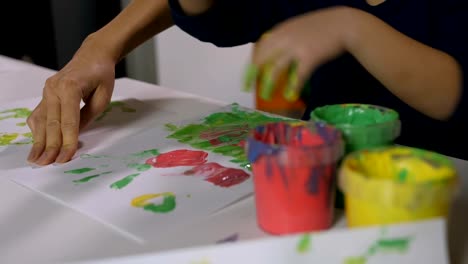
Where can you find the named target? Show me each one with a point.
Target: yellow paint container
(396, 184)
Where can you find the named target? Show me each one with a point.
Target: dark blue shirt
(442, 24)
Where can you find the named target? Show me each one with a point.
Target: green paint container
(363, 126)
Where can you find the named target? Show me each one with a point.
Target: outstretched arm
(429, 79)
(55, 123)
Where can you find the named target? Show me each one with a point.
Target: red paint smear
(219, 175)
(177, 158)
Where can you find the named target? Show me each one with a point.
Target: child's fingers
(266, 82)
(268, 49)
(250, 77)
(271, 74)
(281, 66)
(297, 77)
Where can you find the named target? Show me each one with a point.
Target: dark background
(50, 31)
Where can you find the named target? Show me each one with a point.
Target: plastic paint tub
(396, 184)
(294, 168)
(363, 126)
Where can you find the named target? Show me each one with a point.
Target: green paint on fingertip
(291, 92)
(124, 182)
(79, 171)
(267, 84)
(304, 245)
(250, 77)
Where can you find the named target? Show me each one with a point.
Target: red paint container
(294, 175)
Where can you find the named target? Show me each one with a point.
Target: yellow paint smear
(143, 200)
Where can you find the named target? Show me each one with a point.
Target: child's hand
(298, 45)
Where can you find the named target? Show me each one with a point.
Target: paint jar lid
(398, 176)
(296, 144)
(362, 125)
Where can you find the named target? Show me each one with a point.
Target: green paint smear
(400, 245)
(382, 246)
(116, 104)
(168, 204)
(80, 171)
(21, 124)
(7, 139)
(139, 167)
(304, 244)
(28, 135)
(403, 175)
(88, 178)
(355, 260)
(124, 182)
(354, 114)
(131, 158)
(15, 113)
(235, 119)
(146, 153)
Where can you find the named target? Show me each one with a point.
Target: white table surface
(35, 230)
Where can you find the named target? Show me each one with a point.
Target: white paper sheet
(123, 117)
(421, 242)
(94, 182)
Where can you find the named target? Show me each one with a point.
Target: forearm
(427, 79)
(138, 22)
(195, 7)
